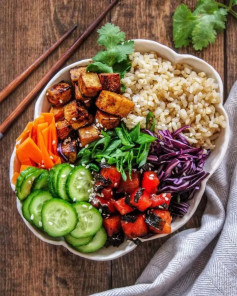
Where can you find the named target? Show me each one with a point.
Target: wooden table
(27, 265)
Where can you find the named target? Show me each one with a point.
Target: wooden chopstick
(20, 108)
(19, 79)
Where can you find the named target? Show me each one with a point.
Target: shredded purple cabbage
(179, 167)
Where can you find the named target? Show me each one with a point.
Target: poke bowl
(148, 50)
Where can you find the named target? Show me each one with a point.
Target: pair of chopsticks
(16, 82)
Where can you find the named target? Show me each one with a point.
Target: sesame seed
(32, 217)
(87, 166)
(82, 173)
(79, 186)
(47, 93)
(84, 206)
(102, 195)
(74, 119)
(71, 165)
(60, 101)
(40, 224)
(90, 207)
(86, 145)
(51, 157)
(63, 176)
(96, 120)
(115, 184)
(53, 142)
(85, 218)
(166, 198)
(50, 223)
(29, 182)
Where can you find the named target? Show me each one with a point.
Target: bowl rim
(176, 58)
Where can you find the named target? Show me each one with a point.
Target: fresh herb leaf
(123, 87)
(99, 67)
(110, 35)
(150, 116)
(135, 132)
(122, 136)
(145, 138)
(115, 57)
(143, 156)
(202, 25)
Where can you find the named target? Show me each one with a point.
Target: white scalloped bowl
(211, 165)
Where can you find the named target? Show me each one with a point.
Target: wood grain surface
(27, 28)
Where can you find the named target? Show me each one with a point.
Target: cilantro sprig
(115, 57)
(121, 147)
(201, 26)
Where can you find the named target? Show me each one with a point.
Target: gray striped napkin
(200, 261)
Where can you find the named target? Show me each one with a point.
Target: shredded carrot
(28, 149)
(37, 144)
(47, 161)
(14, 177)
(23, 167)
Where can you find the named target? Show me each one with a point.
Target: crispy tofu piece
(79, 97)
(105, 120)
(113, 103)
(69, 149)
(110, 81)
(83, 122)
(74, 112)
(63, 129)
(75, 74)
(59, 94)
(58, 113)
(88, 134)
(89, 84)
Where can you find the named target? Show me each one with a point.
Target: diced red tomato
(129, 186)
(135, 229)
(161, 200)
(112, 224)
(165, 222)
(150, 182)
(102, 202)
(107, 193)
(122, 207)
(140, 199)
(112, 174)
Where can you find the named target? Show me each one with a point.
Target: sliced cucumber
(59, 217)
(79, 184)
(95, 244)
(22, 175)
(26, 184)
(76, 242)
(89, 220)
(41, 182)
(25, 206)
(35, 207)
(61, 181)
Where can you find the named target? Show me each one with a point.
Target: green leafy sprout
(201, 26)
(121, 147)
(115, 57)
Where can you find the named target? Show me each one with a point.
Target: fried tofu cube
(59, 94)
(88, 134)
(75, 74)
(110, 81)
(89, 84)
(82, 123)
(69, 149)
(58, 113)
(74, 112)
(113, 103)
(63, 129)
(79, 97)
(105, 120)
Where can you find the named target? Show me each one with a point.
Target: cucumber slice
(76, 242)
(95, 244)
(25, 206)
(59, 217)
(79, 184)
(41, 182)
(35, 207)
(26, 184)
(89, 220)
(27, 171)
(61, 181)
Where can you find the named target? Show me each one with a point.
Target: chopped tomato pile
(131, 208)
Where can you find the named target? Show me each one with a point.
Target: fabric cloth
(200, 261)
